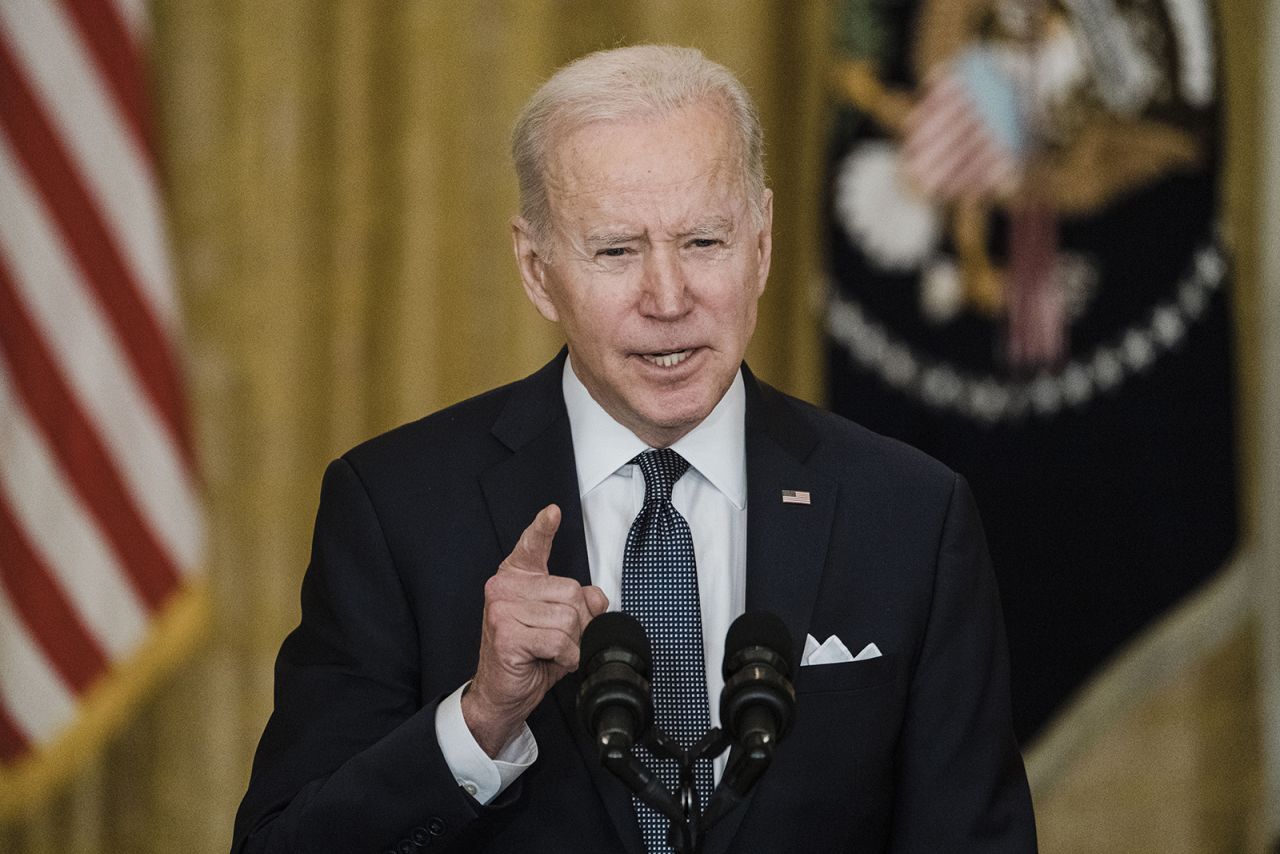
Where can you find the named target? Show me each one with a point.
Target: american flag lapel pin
(795, 496)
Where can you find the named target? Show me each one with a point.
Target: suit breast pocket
(845, 676)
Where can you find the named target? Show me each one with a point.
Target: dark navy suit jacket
(910, 752)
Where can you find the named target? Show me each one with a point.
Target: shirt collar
(716, 447)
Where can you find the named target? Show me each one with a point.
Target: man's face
(653, 266)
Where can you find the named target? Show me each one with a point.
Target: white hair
(629, 83)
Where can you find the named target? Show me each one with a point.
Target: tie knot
(661, 469)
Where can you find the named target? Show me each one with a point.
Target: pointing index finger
(534, 547)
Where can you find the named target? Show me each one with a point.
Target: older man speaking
(427, 699)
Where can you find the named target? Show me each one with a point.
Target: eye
(704, 242)
(612, 252)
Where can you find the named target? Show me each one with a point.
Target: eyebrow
(611, 238)
(709, 227)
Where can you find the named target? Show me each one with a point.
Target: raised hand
(532, 624)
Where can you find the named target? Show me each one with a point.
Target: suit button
(436, 826)
(404, 846)
(419, 836)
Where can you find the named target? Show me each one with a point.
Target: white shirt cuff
(479, 776)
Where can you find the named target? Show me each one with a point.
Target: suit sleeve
(349, 760)
(961, 785)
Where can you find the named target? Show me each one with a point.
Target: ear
(533, 268)
(764, 240)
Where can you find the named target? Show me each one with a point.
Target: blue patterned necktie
(660, 589)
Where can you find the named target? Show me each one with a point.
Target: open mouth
(669, 359)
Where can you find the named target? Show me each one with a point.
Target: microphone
(614, 702)
(758, 700)
(615, 707)
(756, 706)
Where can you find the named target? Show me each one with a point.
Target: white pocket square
(833, 651)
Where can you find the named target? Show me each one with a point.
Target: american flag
(967, 139)
(965, 136)
(100, 521)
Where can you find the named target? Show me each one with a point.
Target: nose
(664, 291)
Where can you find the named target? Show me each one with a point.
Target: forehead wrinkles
(581, 196)
(593, 195)
(699, 135)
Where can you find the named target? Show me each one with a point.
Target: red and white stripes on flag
(100, 522)
(962, 135)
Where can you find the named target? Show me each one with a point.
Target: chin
(677, 418)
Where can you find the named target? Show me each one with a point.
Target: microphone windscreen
(615, 629)
(757, 628)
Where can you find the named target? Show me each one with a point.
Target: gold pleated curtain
(340, 191)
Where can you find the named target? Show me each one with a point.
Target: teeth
(669, 360)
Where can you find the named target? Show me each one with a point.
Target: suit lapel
(786, 543)
(541, 470)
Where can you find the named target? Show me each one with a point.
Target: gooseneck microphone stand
(617, 756)
(687, 831)
(689, 824)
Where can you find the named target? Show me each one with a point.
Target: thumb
(597, 602)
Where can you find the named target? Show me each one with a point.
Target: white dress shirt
(712, 497)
